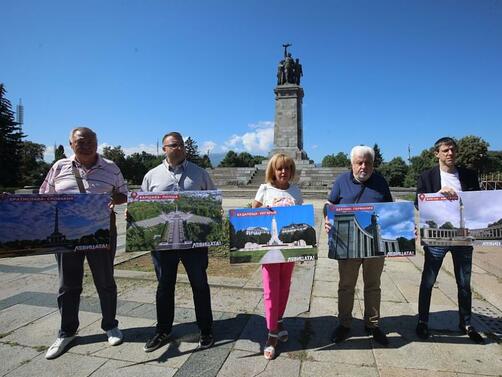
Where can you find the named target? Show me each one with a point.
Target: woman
(276, 192)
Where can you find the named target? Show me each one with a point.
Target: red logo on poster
(421, 197)
(134, 194)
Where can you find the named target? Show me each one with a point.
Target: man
(360, 185)
(447, 179)
(177, 174)
(86, 172)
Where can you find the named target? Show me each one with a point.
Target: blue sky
(284, 216)
(397, 73)
(35, 220)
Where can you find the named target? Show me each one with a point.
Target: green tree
(340, 160)
(59, 153)
(230, 160)
(378, 156)
(418, 164)
(493, 162)
(447, 225)
(10, 143)
(432, 224)
(33, 168)
(243, 159)
(472, 153)
(205, 162)
(192, 151)
(115, 154)
(137, 164)
(394, 171)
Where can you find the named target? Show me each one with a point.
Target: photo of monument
(45, 224)
(371, 230)
(471, 218)
(173, 220)
(272, 235)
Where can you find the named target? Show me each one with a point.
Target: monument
(288, 129)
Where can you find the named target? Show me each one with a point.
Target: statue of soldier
(289, 66)
(298, 71)
(280, 73)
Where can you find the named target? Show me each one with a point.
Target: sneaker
(378, 335)
(158, 340)
(422, 330)
(340, 334)
(472, 334)
(58, 347)
(115, 336)
(205, 341)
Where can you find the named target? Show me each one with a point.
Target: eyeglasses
(174, 146)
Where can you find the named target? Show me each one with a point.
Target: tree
(447, 225)
(493, 162)
(192, 151)
(418, 164)
(472, 153)
(378, 156)
(33, 168)
(341, 160)
(394, 171)
(230, 160)
(59, 153)
(243, 159)
(115, 154)
(432, 224)
(10, 143)
(137, 164)
(205, 162)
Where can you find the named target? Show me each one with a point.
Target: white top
(450, 180)
(271, 196)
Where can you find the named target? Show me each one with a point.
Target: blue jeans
(462, 262)
(195, 262)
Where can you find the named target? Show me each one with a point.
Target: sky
(397, 73)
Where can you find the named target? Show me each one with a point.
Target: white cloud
(207, 146)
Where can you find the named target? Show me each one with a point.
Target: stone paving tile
(324, 288)
(315, 369)
(320, 306)
(14, 356)
(142, 292)
(253, 364)
(19, 315)
(35, 282)
(115, 368)
(400, 372)
(66, 365)
(142, 311)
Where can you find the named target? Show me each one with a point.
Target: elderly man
(447, 179)
(177, 174)
(360, 185)
(86, 172)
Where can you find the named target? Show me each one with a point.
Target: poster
(371, 230)
(173, 220)
(272, 234)
(472, 218)
(42, 224)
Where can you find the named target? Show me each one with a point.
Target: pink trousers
(276, 283)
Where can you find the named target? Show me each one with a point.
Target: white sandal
(269, 351)
(283, 334)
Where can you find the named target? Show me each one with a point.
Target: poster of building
(43, 224)
(470, 218)
(272, 234)
(173, 220)
(371, 230)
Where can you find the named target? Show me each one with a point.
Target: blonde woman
(277, 191)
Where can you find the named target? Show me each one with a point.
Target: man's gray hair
(362, 150)
(83, 130)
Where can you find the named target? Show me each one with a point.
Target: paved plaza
(29, 321)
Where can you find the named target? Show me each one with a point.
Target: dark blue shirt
(346, 189)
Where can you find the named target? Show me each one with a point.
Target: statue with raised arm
(286, 49)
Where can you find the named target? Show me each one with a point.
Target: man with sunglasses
(447, 179)
(177, 174)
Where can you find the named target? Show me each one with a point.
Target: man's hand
(327, 224)
(449, 192)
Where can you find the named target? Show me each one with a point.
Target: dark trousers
(462, 262)
(71, 273)
(195, 262)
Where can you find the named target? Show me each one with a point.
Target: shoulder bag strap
(78, 178)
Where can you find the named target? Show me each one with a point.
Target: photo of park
(34, 224)
(470, 218)
(272, 234)
(371, 230)
(173, 220)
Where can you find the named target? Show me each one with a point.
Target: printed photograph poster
(272, 234)
(371, 230)
(472, 218)
(173, 220)
(32, 224)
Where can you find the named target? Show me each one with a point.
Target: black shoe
(158, 340)
(378, 335)
(205, 341)
(422, 330)
(472, 333)
(340, 334)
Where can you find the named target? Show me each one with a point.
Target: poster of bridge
(173, 220)
(33, 224)
(272, 234)
(371, 230)
(472, 218)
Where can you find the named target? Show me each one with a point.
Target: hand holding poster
(43, 224)
(371, 230)
(173, 220)
(470, 218)
(272, 234)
